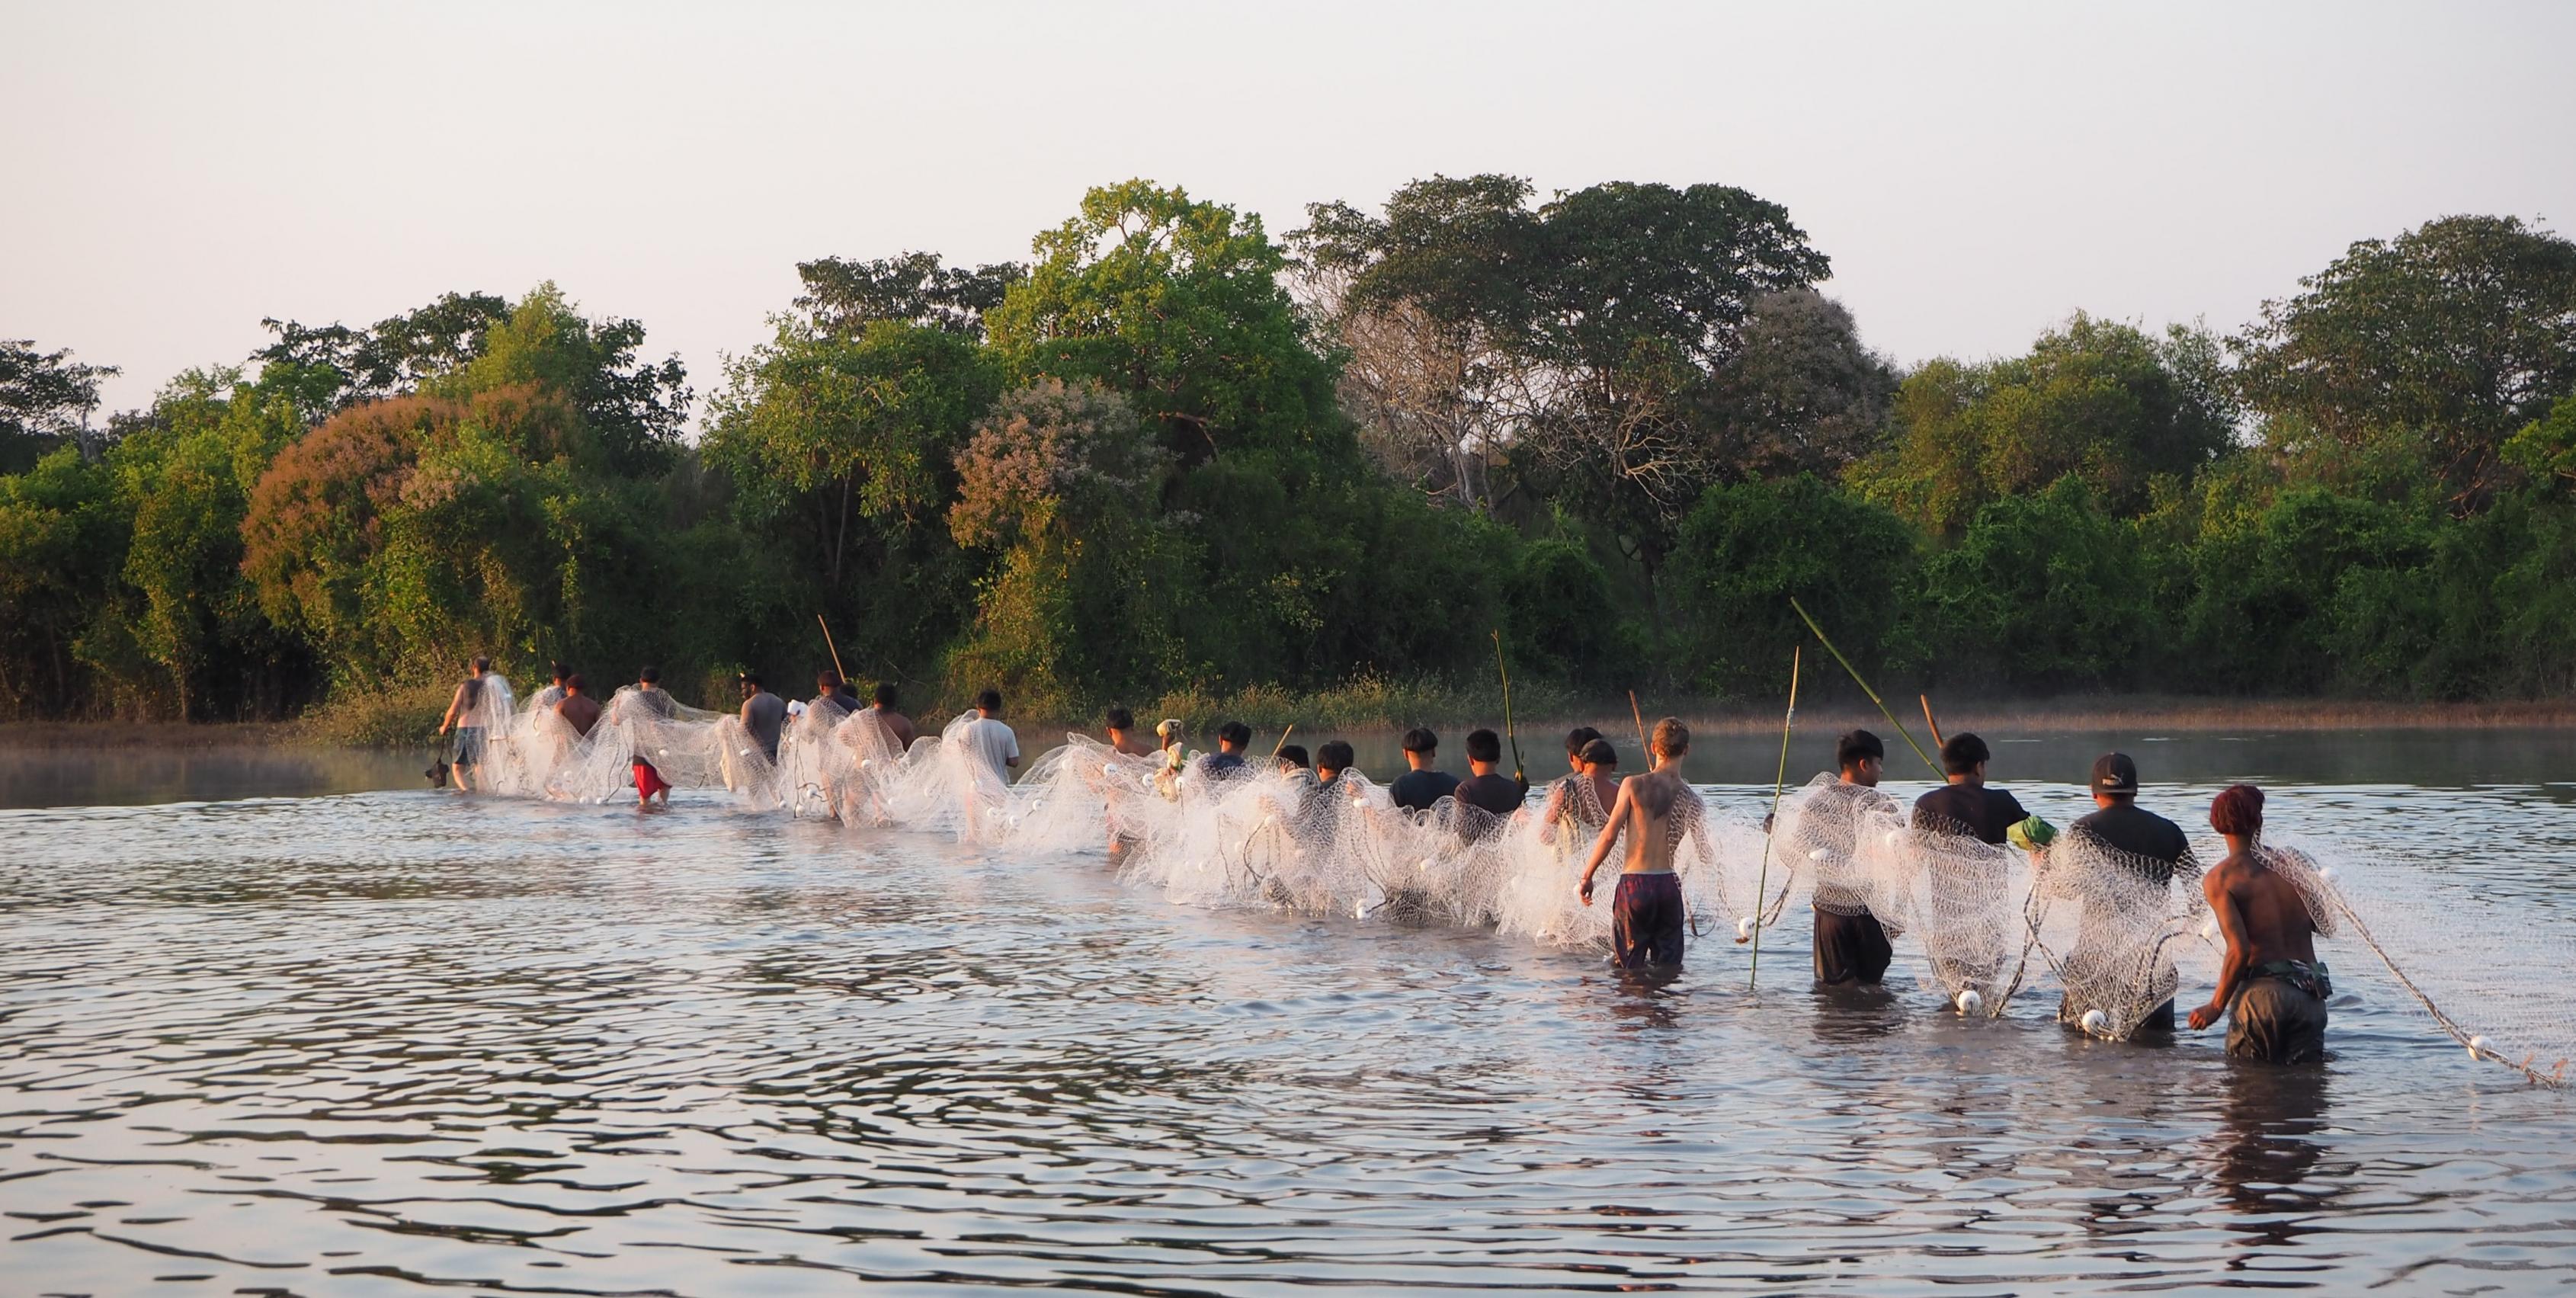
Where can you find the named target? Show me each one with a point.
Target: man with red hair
(2271, 986)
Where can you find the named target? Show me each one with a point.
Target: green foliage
(2453, 335)
(1562, 624)
(633, 410)
(845, 297)
(1085, 595)
(1749, 548)
(1176, 303)
(2097, 400)
(2046, 589)
(45, 399)
(1141, 468)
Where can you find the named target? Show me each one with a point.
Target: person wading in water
(464, 713)
(1652, 810)
(2272, 989)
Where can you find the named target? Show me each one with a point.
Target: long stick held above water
(1508, 733)
(837, 669)
(1770, 824)
(1857, 679)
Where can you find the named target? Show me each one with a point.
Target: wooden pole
(1770, 827)
(1827, 642)
(836, 652)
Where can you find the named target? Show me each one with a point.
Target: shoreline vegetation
(409, 723)
(1180, 461)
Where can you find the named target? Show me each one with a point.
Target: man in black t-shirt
(1425, 784)
(1231, 739)
(2158, 844)
(2145, 842)
(1967, 804)
(1489, 788)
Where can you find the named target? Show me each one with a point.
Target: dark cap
(2115, 773)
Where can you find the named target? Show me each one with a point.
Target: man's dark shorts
(1646, 920)
(1851, 948)
(469, 745)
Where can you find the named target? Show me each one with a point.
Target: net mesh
(2114, 935)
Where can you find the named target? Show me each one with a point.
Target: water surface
(403, 1042)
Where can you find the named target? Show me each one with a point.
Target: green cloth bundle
(2031, 835)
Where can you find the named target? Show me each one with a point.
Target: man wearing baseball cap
(2140, 839)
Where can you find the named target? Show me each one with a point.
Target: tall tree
(2453, 335)
(1428, 303)
(845, 297)
(836, 435)
(635, 409)
(45, 399)
(2098, 400)
(1585, 333)
(1178, 304)
(396, 355)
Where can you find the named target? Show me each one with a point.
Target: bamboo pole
(1770, 826)
(1827, 642)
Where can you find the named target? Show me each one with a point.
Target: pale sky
(1977, 172)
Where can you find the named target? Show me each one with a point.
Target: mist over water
(383, 1041)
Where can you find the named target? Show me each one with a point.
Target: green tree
(2046, 589)
(837, 431)
(1746, 549)
(1178, 304)
(1585, 337)
(60, 537)
(2453, 336)
(1085, 594)
(845, 297)
(45, 400)
(2097, 400)
(634, 410)
(344, 366)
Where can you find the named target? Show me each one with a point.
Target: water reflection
(401, 1041)
(2270, 1143)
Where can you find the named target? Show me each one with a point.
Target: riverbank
(398, 721)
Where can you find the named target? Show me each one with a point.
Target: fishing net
(2480, 963)
(946, 784)
(1971, 908)
(1831, 839)
(2111, 925)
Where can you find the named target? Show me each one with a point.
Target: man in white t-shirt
(990, 741)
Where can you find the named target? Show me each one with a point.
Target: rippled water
(393, 1040)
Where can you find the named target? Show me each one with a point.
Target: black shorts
(469, 745)
(1851, 948)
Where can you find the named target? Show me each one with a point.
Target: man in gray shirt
(763, 713)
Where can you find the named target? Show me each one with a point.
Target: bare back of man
(581, 710)
(1647, 915)
(2271, 986)
(897, 726)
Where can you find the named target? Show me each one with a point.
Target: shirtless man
(578, 707)
(1123, 739)
(898, 727)
(1646, 915)
(1585, 797)
(2272, 989)
(464, 713)
(763, 714)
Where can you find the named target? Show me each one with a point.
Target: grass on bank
(407, 716)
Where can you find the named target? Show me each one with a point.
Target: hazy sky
(175, 172)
